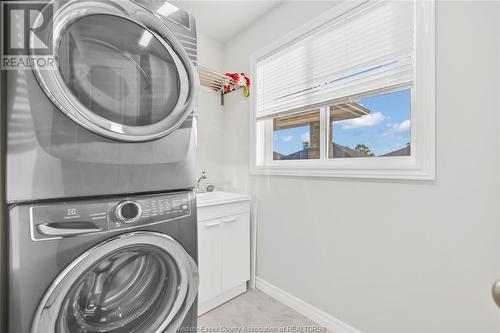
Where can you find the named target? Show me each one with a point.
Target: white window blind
(368, 49)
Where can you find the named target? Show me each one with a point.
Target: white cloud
(287, 138)
(398, 128)
(371, 119)
(306, 137)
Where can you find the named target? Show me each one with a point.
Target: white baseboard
(320, 317)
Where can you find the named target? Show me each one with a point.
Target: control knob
(128, 211)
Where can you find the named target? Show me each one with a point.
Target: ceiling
(222, 20)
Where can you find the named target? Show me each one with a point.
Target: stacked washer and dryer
(100, 172)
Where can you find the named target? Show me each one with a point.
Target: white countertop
(205, 199)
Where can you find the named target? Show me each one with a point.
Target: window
(349, 95)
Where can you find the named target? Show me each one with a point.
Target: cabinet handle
(231, 220)
(213, 224)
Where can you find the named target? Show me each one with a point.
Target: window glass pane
(118, 70)
(297, 137)
(376, 126)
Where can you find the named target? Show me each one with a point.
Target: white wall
(390, 256)
(210, 115)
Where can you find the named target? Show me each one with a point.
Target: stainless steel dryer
(107, 265)
(116, 111)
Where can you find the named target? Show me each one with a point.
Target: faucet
(203, 177)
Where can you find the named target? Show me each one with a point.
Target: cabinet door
(210, 259)
(235, 251)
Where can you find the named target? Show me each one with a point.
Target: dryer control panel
(57, 220)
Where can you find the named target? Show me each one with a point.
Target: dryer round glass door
(138, 282)
(118, 70)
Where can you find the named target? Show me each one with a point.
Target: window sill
(325, 171)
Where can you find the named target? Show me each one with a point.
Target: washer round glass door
(118, 71)
(138, 282)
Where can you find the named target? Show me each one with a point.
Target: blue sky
(385, 129)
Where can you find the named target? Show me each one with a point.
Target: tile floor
(254, 309)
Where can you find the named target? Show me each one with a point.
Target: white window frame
(421, 165)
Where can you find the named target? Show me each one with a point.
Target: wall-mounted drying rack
(219, 82)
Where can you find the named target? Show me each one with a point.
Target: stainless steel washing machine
(108, 265)
(115, 112)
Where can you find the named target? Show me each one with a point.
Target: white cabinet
(209, 259)
(223, 250)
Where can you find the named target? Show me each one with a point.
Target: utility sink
(219, 197)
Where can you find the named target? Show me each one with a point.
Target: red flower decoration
(240, 79)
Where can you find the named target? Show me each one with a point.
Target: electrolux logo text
(25, 28)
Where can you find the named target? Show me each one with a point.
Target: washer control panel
(128, 212)
(57, 220)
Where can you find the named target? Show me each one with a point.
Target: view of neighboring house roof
(339, 151)
(343, 151)
(277, 156)
(406, 151)
(299, 155)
